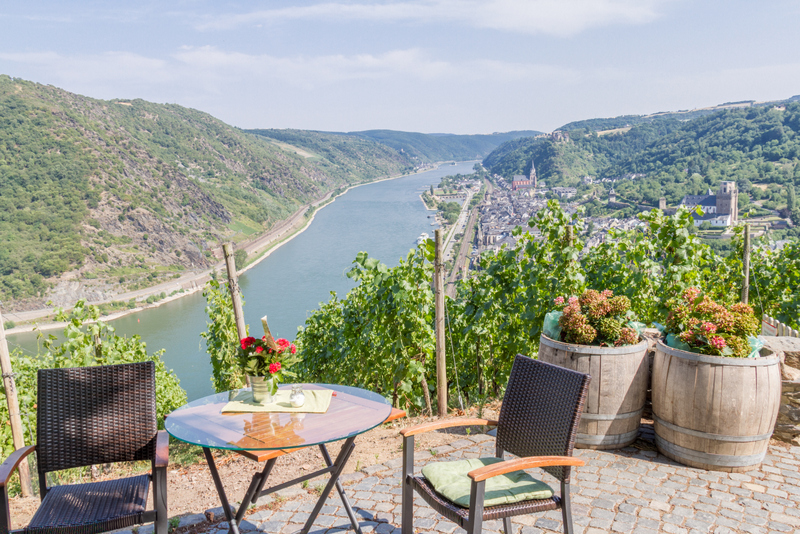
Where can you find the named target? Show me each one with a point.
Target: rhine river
(384, 219)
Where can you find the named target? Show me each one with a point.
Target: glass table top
(352, 411)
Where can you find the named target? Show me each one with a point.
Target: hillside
(756, 146)
(419, 147)
(116, 195)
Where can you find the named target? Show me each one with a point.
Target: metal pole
(13, 410)
(233, 286)
(746, 265)
(441, 369)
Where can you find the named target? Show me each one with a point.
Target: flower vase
(262, 389)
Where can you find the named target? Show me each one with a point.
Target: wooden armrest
(10, 464)
(395, 414)
(447, 423)
(508, 466)
(162, 449)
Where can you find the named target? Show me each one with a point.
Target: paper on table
(317, 401)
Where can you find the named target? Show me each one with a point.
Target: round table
(352, 411)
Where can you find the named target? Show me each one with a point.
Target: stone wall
(787, 427)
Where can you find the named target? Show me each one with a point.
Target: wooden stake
(270, 340)
(746, 265)
(13, 410)
(233, 286)
(441, 368)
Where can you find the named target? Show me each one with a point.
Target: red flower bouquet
(267, 358)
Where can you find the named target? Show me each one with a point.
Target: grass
(238, 226)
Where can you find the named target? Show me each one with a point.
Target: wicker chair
(88, 416)
(538, 423)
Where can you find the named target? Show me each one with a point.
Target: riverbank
(261, 248)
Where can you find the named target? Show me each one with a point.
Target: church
(721, 209)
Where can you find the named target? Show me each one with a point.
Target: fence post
(441, 369)
(746, 265)
(233, 286)
(13, 410)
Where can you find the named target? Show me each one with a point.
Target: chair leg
(507, 528)
(160, 500)
(566, 508)
(475, 521)
(407, 507)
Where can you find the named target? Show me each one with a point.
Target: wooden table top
(352, 412)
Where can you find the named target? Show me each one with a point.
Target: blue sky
(459, 66)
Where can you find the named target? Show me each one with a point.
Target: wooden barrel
(613, 409)
(715, 412)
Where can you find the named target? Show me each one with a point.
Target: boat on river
(422, 238)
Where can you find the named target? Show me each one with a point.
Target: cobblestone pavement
(629, 490)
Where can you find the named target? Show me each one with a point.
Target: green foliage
(221, 338)
(88, 342)
(381, 335)
(240, 258)
(450, 211)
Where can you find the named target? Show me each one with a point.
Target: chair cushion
(450, 480)
(92, 507)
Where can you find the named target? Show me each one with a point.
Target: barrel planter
(614, 403)
(714, 412)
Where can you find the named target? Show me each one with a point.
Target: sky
(433, 66)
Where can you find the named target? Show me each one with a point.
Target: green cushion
(450, 480)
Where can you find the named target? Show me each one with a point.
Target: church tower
(532, 175)
(728, 200)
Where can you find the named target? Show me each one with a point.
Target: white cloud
(552, 17)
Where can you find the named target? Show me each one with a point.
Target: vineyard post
(233, 286)
(13, 410)
(746, 265)
(441, 369)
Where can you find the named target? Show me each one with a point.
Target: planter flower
(593, 335)
(266, 361)
(713, 406)
(596, 318)
(698, 324)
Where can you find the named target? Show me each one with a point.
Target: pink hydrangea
(717, 342)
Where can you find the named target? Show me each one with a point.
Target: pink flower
(559, 301)
(717, 342)
(709, 328)
(259, 350)
(293, 349)
(274, 367)
(282, 343)
(247, 341)
(573, 300)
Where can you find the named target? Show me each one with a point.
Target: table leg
(341, 461)
(340, 489)
(234, 528)
(256, 485)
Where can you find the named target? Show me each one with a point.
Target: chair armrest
(11, 463)
(396, 413)
(448, 423)
(517, 464)
(162, 449)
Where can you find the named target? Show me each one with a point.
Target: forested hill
(421, 148)
(104, 196)
(750, 145)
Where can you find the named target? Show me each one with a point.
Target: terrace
(634, 489)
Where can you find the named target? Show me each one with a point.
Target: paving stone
(191, 519)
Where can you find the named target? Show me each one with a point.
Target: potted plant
(594, 334)
(715, 395)
(265, 362)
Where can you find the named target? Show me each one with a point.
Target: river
(383, 218)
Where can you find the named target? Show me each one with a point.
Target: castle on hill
(721, 209)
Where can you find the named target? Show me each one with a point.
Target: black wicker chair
(88, 416)
(538, 423)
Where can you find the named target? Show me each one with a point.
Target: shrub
(596, 318)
